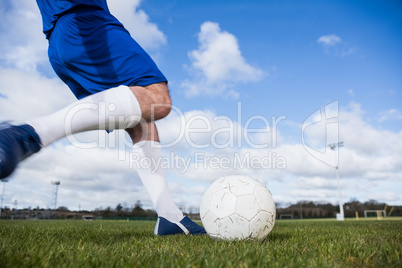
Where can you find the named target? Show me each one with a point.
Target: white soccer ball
(237, 207)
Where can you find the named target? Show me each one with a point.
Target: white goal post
(378, 213)
(286, 216)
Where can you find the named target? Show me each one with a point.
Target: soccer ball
(237, 207)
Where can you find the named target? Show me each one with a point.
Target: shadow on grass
(275, 237)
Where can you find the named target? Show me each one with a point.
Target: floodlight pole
(2, 196)
(55, 188)
(341, 215)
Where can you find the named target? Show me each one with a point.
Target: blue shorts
(91, 51)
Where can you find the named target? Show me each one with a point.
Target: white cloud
(90, 177)
(138, 23)
(334, 45)
(219, 56)
(329, 40)
(218, 63)
(391, 114)
(29, 94)
(370, 155)
(22, 47)
(362, 137)
(193, 130)
(315, 182)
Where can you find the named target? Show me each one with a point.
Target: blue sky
(277, 60)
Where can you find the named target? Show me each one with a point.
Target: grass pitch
(292, 243)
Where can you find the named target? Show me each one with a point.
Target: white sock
(154, 180)
(115, 108)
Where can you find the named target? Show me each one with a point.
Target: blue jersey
(52, 10)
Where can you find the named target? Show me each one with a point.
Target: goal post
(286, 216)
(375, 213)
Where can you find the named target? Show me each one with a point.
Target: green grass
(292, 243)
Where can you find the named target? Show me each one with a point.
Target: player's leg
(154, 100)
(115, 108)
(156, 104)
(170, 218)
(152, 176)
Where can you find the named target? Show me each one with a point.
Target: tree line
(118, 212)
(300, 210)
(310, 209)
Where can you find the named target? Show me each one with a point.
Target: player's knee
(165, 107)
(154, 100)
(162, 104)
